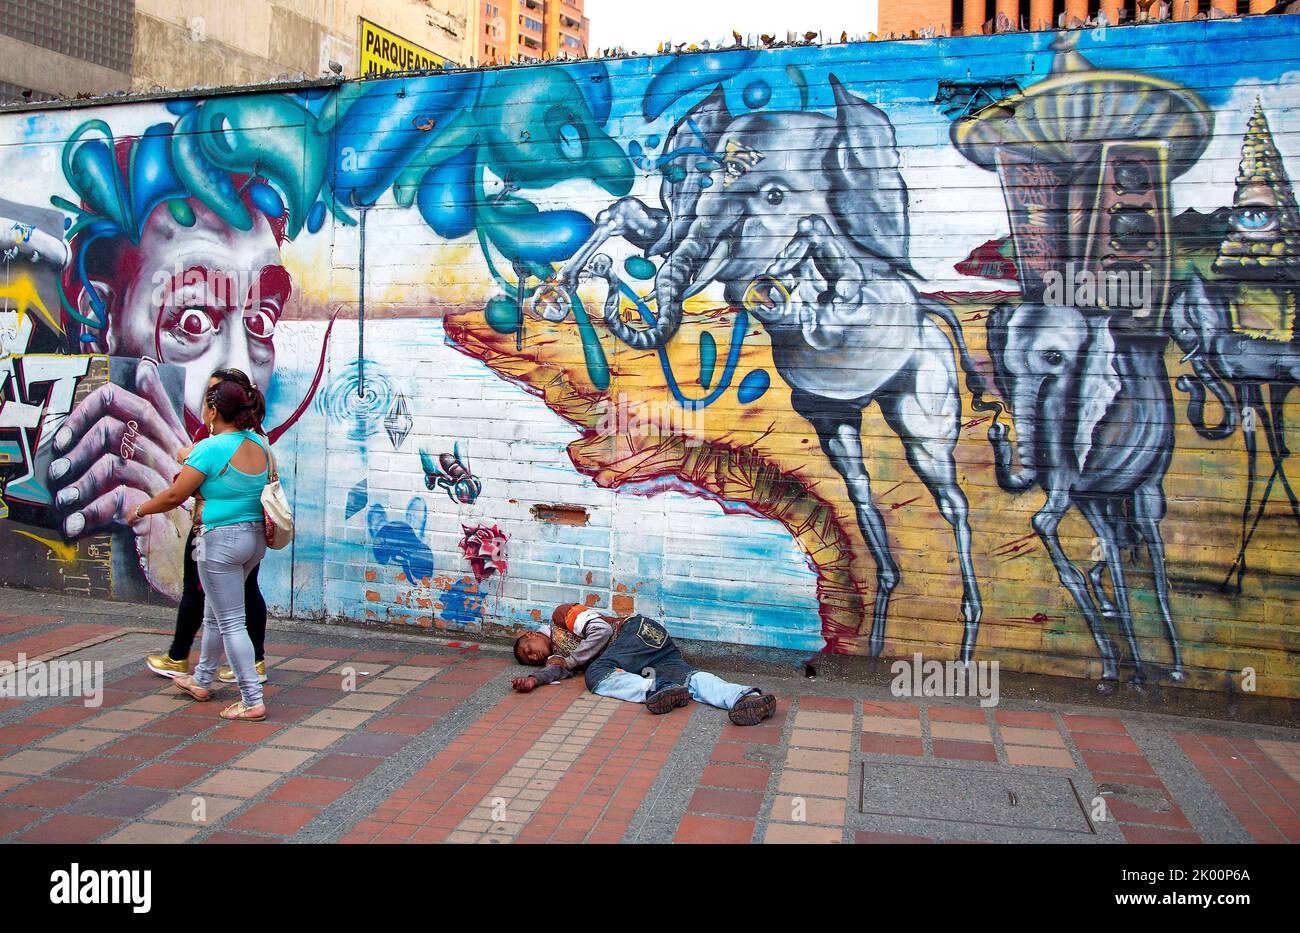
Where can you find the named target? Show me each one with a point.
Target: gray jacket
(596, 636)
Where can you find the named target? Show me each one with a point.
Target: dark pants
(189, 614)
(639, 644)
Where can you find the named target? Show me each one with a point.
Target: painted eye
(260, 325)
(1054, 357)
(775, 196)
(194, 322)
(1253, 218)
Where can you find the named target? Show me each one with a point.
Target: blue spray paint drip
(462, 605)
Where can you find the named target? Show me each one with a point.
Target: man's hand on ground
(524, 684)
(556, 660)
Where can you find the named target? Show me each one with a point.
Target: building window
(1058, 10)
(1022, 20)
(990, 10)
(1243, 7)
(1203, 6)
(958, 6)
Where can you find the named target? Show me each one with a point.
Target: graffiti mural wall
(978, 347)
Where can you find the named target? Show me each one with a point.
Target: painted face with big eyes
(205, 297)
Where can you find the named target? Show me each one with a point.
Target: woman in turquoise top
(229, 469)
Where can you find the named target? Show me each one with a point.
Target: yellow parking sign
(384, 52)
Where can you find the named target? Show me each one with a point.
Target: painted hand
(112, 454)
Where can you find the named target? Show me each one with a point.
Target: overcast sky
(640, 25)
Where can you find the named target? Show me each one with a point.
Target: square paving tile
(794, 834)
(1047, 738)
(1037, 755)
(66, 827)
(33, 761)
(392, 685)
(304, 737)
(158, 703)
(274, 758)
(367, 701)
(121, 720)
(805, 719)
(167, 775)
(316, 791)
(304, 664)
(363, 744)
(49, 794)
(337, 719)
(274, 818)
(891, 725)
(151, 834)
(966, 731)
(809, 783)
(813, 738)
(208, 753)
(79, 740)
(208, 809)
(119, 800)
(236, 782)
(96, 768)
(352, 767)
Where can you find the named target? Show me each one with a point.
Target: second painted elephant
(1094, 421)
(803, 218)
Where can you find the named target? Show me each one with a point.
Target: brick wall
(806, 460)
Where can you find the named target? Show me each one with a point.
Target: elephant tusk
(1187, 358)
(705, 276)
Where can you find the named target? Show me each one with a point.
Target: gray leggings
(226, 555)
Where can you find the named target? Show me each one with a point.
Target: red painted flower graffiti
(485, 549)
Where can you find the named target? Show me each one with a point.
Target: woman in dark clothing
(189, 614)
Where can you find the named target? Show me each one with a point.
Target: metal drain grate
(987, 798)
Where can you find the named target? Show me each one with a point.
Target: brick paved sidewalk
(432, 746)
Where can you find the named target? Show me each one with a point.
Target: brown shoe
(752, 709)
(667, 698)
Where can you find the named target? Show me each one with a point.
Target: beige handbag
(276, 509)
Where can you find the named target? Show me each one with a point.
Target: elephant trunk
(1013, 477)
(676, 275)
(670, 284)
(1206, 377)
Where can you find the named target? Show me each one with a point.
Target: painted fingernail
(66, 497)
(75, 524)
(63, 438)
(59, 467)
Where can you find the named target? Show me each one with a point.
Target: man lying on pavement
(610, 650)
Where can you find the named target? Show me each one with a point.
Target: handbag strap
(274, 475)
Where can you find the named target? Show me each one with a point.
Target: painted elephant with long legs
(808, 212)
(1220, 356)
(1094, 421)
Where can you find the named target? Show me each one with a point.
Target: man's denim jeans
(643, 643)
(704, 687)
